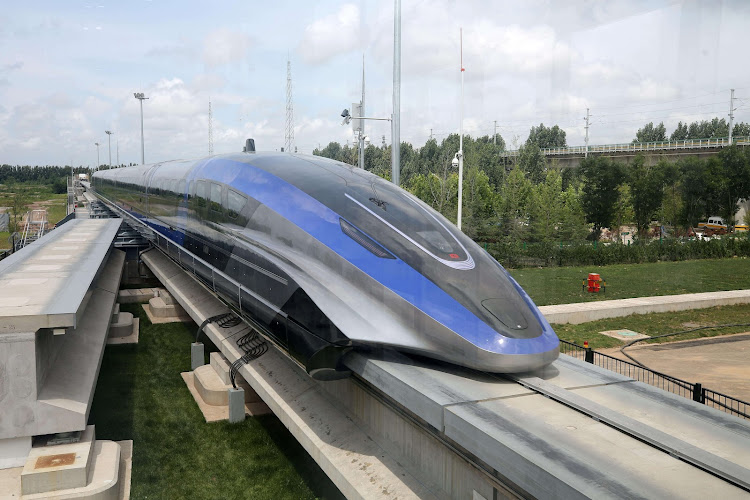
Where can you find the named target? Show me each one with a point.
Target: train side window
(200, 194)
(235, 203)
(215, 197)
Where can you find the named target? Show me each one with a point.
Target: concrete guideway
(583, 312)
(428, 430)
(57, 299)
(354, 462)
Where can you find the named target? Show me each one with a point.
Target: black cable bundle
(254, 346)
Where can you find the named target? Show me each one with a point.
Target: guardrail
(689, 390)
(5, 253)
(717, 142)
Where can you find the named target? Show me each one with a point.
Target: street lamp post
(97, 155)
(141, 97)
(109, 142)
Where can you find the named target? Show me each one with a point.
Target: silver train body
(326, 258)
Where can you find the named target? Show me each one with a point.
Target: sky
(68, 71)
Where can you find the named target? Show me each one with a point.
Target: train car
(325, 257)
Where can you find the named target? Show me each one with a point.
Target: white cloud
(331, 35)
(651, 90)
(225, 46)
(597, 73)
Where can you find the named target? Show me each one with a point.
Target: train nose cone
(507, 312)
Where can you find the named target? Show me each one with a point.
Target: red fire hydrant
(595, 283)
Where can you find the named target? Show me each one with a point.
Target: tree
(671, 205)
(532, 162)
(572, 219)
(546, 207)
(513, 205)
(622, 210)
(546, 137)
(741, 130)
(601, 180)
(649, 133)
(646, 192)
(680, 133)
(478, 199)
(693, 190)
(736, 172)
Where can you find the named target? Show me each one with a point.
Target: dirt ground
(719, 363)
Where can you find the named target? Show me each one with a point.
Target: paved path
(583, 312)
(719, 363)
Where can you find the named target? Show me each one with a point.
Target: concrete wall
(426, 456)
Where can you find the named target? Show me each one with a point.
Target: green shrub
(515, 254)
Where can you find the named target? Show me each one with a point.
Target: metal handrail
(694, 391)
(714, 142)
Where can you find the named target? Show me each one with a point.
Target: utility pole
(396, 117)
(362, 122)
(586, 153)
(494, 137)
(210, 129)
(97, 155)
(731, 115)
(461, 137)
(118, 152)
(109, 142)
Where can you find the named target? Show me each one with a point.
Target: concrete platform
(583, 312)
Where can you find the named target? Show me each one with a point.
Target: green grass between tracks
(176, 454)
(562, 285)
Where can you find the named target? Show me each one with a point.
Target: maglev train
(326, 257)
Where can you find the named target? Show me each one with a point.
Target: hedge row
(519, 254)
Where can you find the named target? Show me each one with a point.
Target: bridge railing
(716, 142)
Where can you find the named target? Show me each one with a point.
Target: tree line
(530, 198)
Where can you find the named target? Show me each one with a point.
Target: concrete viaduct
(652, 151)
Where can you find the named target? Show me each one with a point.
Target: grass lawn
(658, 323)
(4, 237)
(562, 285)
(176, 455)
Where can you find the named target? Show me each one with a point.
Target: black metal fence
(694, 391)
(5, 253)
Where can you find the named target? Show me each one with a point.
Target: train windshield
(410, 220)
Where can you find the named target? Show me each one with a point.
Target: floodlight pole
(141, 97)
(396, 123)
(97, 155)
(109, 142)
(461, 137)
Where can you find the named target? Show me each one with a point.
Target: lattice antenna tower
(289, 135)
(210, 129)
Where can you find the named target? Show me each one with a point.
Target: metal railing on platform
(694, 391)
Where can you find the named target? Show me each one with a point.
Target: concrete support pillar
(236, 405)
(13, 451)
(197, 356)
